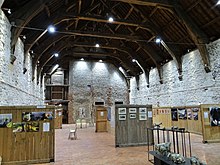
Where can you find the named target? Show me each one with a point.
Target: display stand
(187, 117)
(211, 132)
(27, 134)
(131, 122)
(179, 139)
(58, 118)
(162, 160)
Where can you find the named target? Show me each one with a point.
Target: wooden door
(101, 119)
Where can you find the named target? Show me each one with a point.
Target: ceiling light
(133, 60)
(120, 68)
(97, 45)
(158, 40)
(82, 59)
(100, 60)
(24, 37)
(51, 29)
(56, 54)
(110, 19)
(9, 11)
(218, 3)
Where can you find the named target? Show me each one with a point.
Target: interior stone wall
(197, 86)
(92, 82)
(16, 88)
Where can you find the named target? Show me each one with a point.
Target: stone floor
(99, 149)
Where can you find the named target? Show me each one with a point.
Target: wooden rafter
(172, 49)
(64, 44)
(145, 26)
(165, 3)
(197, 35)
(25, 14)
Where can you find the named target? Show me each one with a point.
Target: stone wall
(16, 88)
(197, 87)
(92, 82)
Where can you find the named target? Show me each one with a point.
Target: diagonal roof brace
(25, 14)
(197, 35)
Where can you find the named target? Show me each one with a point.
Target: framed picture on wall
(142, 116)
(5, 120)
(142, 110)
(174, 115)
(132, 110)
(122, 111)
(182, 114)
(132, 116)
(122, 117)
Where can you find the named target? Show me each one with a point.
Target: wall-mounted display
(36, 116)
(32, 127)
(182, 114)
(132, 116)
(132, 110)
(142, 116)
(18, 127)
(214, 116)
(189, 114)
(174, 115)
(5, 120)
(142, 110)
(122, 117)
(122, 111)
(195, 113)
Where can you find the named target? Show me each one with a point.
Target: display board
(101, 119)
(131, 122)
(210, 114)
(58, 118)
(187, 117)
(27, 134)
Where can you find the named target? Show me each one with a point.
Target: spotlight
(110, 19)
(82, 59)
(133, 60)
(218, 3)
(56, 54)
(51, 29)
(100, 60)
(9, 11)
(158, 40)
(97, 45)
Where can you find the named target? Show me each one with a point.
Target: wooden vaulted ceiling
(182, 25)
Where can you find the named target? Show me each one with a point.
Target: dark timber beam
(113, 56)
(152, 54)
(103, 35)
(165, 3)
(125, 22)
(22, 17)
(68, 44)
(172, 49)
(197, 35)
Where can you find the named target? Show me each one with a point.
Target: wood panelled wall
(130, 129)
(163, 115)
(26, 147)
